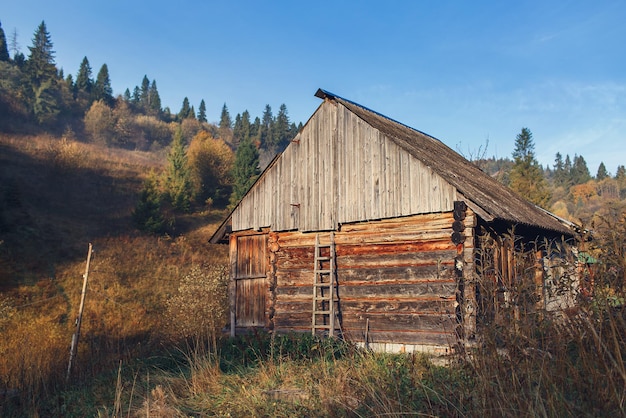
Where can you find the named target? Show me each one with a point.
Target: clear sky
(469, 73)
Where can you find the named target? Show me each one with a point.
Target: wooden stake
(76, 335)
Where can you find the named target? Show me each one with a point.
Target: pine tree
(281, 132)
(579, 172)
(245, 170)
(184, 110)
(144, 96)
(202, 112)
(40, 65)
(266, 135)
(102, 89)
(69, 80)
(225, 127)
(136, 96)
(84, 81)
(42, 90)
(192, 113)
(127, 97)
(526, 175)
(4, 50)
(602, 172)
(559, 174)
(178, 177)
(147, 214)
(154, 99)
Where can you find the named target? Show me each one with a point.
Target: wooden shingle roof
(488, 198)
(491, 199)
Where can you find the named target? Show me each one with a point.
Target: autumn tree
(526, 175)
(100, 123)
(211, 163)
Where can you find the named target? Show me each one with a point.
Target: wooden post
(76, 335)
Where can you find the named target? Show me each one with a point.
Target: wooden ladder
(325, 298)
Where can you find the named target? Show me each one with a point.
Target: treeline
(207, 163)
(567, 188)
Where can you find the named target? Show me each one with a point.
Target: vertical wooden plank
(232, 284)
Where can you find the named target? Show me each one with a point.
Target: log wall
(396, 280)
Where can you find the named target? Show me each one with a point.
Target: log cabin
(367, 229)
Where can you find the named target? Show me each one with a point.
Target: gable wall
(339, 170)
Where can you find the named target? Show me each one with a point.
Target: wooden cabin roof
(487, 197)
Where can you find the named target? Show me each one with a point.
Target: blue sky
(471, 74)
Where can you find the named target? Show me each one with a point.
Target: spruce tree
(526, 175)
(144, 94)
(178, 183)
(4, 49)
(281, 132)
(602, 172)
(184, 110)
(266, 135)
(127, 97)
(43, 93)
(202, 112)
(136, 96)
(102, 89)
(579, 172)
(225, 127)
(147, 214)
(154, 99)
(559, 174)
(84, 81)
(40, 65)
(245, 170)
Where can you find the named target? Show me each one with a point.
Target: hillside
(56, 197)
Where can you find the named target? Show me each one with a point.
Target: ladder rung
(323, 284)
(323, 258)
(323, 297)
(322, 312)
(324, 271)
(322, 326)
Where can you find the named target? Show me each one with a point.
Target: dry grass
(56, 196)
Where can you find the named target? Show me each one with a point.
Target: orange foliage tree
(211, 161)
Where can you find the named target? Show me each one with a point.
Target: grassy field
(150, 342)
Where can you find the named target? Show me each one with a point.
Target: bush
(200, 307)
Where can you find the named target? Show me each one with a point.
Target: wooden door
(250, 281)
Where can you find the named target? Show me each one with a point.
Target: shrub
(199, 308)
(65, 155)
(210, 161)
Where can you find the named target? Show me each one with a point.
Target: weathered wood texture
(338, 170)
(396, 275)
(250, 285)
